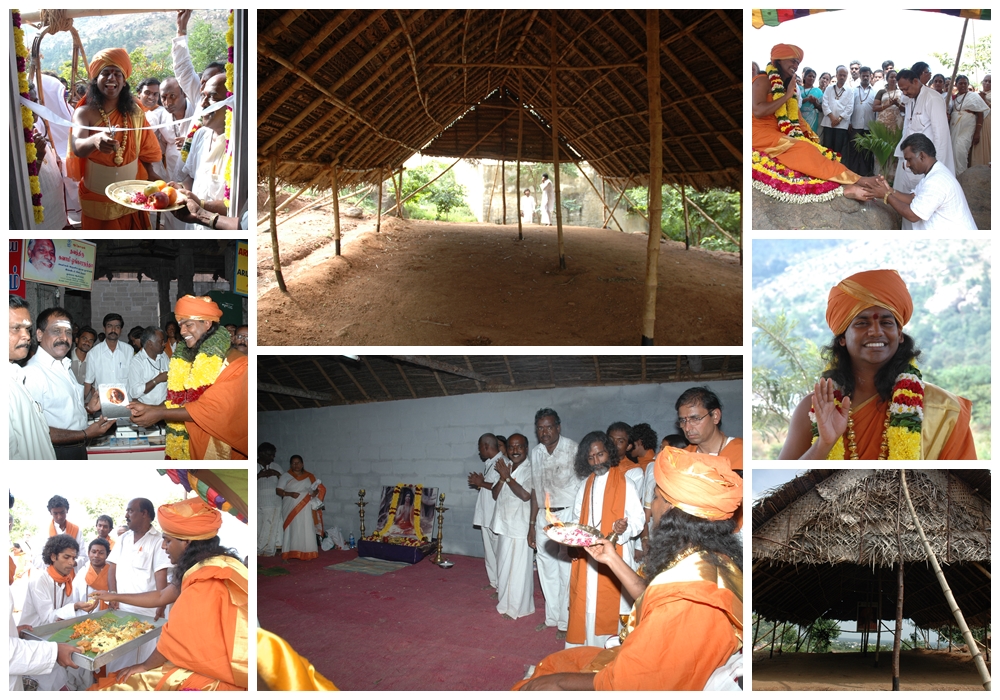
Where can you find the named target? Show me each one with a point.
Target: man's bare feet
(857, 192)
(561, 635)
(541, 627)
(506, 616)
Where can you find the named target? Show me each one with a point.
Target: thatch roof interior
(369, 88)
(824, 541)
(309, 381)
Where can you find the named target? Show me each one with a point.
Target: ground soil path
(440, 283)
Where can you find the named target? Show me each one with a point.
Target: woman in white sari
(967, 110)
(300, 522)
(981, 153)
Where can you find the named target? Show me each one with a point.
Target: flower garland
(188, 140)
(904, 422)
(187, 380)
(391, 515)
(228, 172)
(383, 534)
(27, 119)
(788, 113)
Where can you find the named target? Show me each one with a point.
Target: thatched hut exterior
(828, 543)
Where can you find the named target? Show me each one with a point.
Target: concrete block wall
(137, 302)
(434, 441)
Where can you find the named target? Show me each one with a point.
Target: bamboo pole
(555, 146)
(503, 188)
(687, 223)
(655, 172)
(604, 197)
(396, 187)
(493, 189)
(617, 201)
(629, 200)
(33, 17)
(977, 657)
(336, 208)
(598, 195)
(898, 632)
(958, 56)
(378, 204)
(774, 632)
(276, 256)
(878, 635)
(284, 205)
(520, 129)
(712, 221)
(741, 228)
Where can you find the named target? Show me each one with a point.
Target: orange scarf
(13, 569)
(71, 530)
(66, 581)
(99, 582)
(317, 514)
(609, 588)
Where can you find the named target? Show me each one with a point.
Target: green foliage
(108, 504)
(205, 44)
(976, 58)
(822, 632)
(722, 205)
(881, 142)
(444, 193)
(954, 635)
(24, 528)
(143, 66)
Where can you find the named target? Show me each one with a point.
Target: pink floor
(419, 628)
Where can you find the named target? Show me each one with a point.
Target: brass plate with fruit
(142, 195)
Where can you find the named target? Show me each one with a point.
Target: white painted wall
(434, 441)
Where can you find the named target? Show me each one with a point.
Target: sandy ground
(918, 670)
(440, 283)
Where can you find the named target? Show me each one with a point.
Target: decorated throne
(405, 527)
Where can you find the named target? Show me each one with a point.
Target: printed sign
(241, 283)
(16, 280)
(60, 263)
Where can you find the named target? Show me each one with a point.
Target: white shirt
(136, 564)
(863, 112)
(27, 656)
(184, 71)
(928, 115)
(547, 190)
(205, 164)
(553, 474)
(266, 496)
(106, 367)
(512, 515)
(52, 384)
(45, 602)
(29, 433)
(633, 508)
(141, 369)
(485, 504)
(940, 203)
(42, 537)
(841, 106)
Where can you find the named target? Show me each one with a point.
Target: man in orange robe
(685, 629)
(210, 417)
(204, 644)
(99, 158)
(799, 154)
(872, 402)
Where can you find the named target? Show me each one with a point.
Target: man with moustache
(515, 578)
(109, 360)
(554, 485)
(147, 372)
(242, 339)
(104, 526)
(699, 415)
(204, 165)
(29, 433)
(214, 424)
(608, 502)
(85, 340)
(92, 577)
(41, 260)
(50, 381)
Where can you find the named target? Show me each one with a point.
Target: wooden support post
(687, 224)
(399, 207)
(503, 188)
(741, 231)
(378, 204)
(493, 188)
(335, 185)
(604, 199)
(620, 195)
(712, 221)
(774, 632)
(898, 634)
(655, 171)
(520, 128)
(878, 635)
(395, 188)
(553, 85)
(275, 255)
(284, 205)
(578, 167)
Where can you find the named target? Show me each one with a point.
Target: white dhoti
(515, 577)
(553, 573)
(490, 545)
(269, 530)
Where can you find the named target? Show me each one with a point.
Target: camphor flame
(553, 520)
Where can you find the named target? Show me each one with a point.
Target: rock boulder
(838, 214)
(975, 183)
(353, 212)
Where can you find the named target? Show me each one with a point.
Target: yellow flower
(35, 187)
(205, 370)
(838, 450)
(31, 151)
(39, 214)
(177, 447)
(177, 372)
(903, 444)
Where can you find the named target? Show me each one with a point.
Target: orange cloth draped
(317, 514)
(609, 588)
(733, 452)
(682, 634)
(71, 530)
(208, 625)
(645, 460)
(795, 153)
(864, 290)
(98, 582)
(66, 581)
(869, 422)
(13, 570)
(96, 204)
(281, 668)
(198, 308)
(221, 414)
(190, 519)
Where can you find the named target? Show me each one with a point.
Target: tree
(205, 44)
(446, 194)
(107, 504)
(23, 528)
(143, 66)
(822, 632)
(976, 58)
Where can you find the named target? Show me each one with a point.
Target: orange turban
(197, 308)
(192, 519)
(699, 484)
(862, 291)
(111, 57)
(782, 52)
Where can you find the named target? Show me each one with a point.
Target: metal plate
(43, 633)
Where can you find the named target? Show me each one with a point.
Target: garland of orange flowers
(904, 420)
(390, 519)
(27, 118)
(788, 113)
(187, 379)
(229, 110)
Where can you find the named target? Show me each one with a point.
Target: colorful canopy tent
(772, 18)
(225, 489)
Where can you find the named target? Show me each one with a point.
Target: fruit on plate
(159, 200)
(150, 189)
(171, 193)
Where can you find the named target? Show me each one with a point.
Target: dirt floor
(440, 283)
(920, 669)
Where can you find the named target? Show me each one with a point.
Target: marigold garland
(27, 119)
(187, 381)
(906, 417)
(228, 170)
(383, 534)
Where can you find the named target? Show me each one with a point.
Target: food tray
(573, 535)
(122, 190)
(85, 659)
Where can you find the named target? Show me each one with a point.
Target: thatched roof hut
(827, 542)
(369, 88)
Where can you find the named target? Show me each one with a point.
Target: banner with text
(60, 263)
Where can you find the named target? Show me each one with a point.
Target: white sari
(963, 111)
(299, 539)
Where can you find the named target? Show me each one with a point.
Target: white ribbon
(54, 118)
